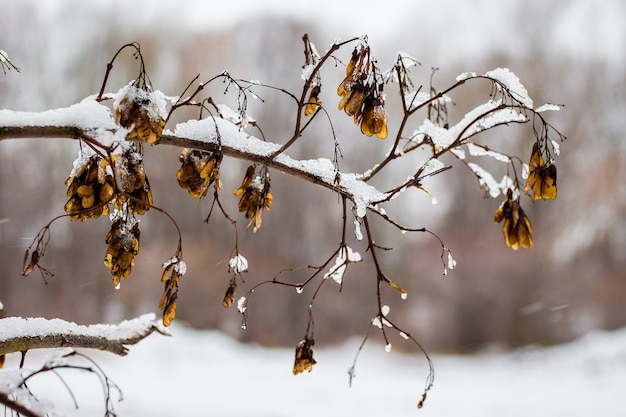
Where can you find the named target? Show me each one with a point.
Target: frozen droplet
(451, 261)
(404, 335)
(433, 200)
(117, 287)
(241, 305)
(403, 232)
(181, 268)
(351, 374)
(404, 295)
(358, 234)
(299, 289)
(385, 309)
(238, 264)
(243, 326)
(525, 170)
(445, 271)
(388, 347)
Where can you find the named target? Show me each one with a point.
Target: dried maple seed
(123, 246)
(352, 102)
(198, 171)
(541, 178)
(352, 63)
(137, 194)
(255, 197)
(138, 111)
(173, 269)
(304, 356)
(314, 102)
(374, 119)
(89, 189)
(361, 94)
(517, 229)
(229, 296)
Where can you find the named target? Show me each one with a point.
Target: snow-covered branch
(92, 121)
(19, 334)
(20, 409)
(108, 177)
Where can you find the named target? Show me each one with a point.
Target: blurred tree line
(571, 282)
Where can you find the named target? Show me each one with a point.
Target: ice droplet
(241, 305)
(404, 295)
(243, 326)
(404, 335)
(388, 347)
(385, 309)
(451, 261)
(181, 267)
(358, 234)
(238, 264)
(117, 287)
(299, 289)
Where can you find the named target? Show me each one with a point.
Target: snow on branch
(19, 334)
(508, 80)
(92, 121)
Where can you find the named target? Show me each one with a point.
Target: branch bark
(74, 132)
(346, 184)
(20, 409)
(17, 132)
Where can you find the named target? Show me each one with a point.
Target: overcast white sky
(459, 27)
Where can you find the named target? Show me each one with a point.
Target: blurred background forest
(564, 52)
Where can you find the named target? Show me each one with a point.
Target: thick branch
(20, 409)
(207, 134)
(22, 334)
(17, 132)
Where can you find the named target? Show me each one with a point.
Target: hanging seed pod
(142, 112)
(198, 171)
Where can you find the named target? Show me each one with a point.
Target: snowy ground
(203, 373)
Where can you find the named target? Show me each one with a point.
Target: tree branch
(22, 334)
(210, 134)
(20, 409)
(18, 132)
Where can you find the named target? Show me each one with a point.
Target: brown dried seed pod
(137, 110)
(374, 120)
